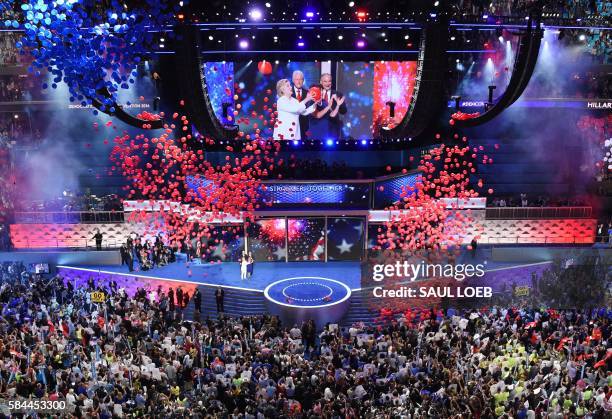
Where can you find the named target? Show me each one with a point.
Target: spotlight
(485, 16)
(340, 37)
(364, 142)
(452, 38)
(582, 37)
(210, 37)
(360, 44)
(501, 39)
(244, 44)
(351, 3)
(296, 142)
(300, 44)
(406, 36)
(255, 14)
(329, 142)
(436, 4)
(361, 15)
(309, 15)
(268, 5)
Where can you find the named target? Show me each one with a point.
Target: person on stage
(98, 238)
(219, 296)
(325, 122)
(289, 109)
(244, 261)
(250, 265)
(299, 91)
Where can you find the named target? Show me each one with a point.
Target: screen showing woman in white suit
(289, 109)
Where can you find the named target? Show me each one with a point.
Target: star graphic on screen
(345, 247)
(280, 252)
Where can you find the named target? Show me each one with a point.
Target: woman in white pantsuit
(289, 109)
(244, 262)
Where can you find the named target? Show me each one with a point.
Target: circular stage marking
(310, 280)
(307, 299)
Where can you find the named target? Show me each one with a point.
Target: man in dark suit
(219, 296)
(299, 91)
(326, 122)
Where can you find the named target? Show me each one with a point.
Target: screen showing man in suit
(351, 99)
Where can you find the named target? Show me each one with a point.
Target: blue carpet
(264, 273)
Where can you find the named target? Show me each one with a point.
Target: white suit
(287, 126)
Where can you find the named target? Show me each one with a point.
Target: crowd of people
(9, 54)
(135, 355)
(574, 9)
(16, 130)
(72, 202)
(147, 254)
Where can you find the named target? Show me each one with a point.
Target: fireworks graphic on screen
(393, 82)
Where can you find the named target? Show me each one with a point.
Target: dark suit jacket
(328, 127)
(304, 119)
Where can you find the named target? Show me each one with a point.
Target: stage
(227, 274)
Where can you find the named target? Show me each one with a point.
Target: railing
(101, 217)
(527, 213)
(69, 217)
(537, 240)
(82, 244)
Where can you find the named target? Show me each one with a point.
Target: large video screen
(355, 101)
(287, 195)
(316, 195)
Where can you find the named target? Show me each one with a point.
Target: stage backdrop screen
(306, 238)
(245, 93)
(316, 195)
(283, 195)
(388, 191)
(267, 240)
(345, 238)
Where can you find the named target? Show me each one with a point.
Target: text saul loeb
(433, 292)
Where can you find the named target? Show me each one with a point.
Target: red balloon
(264, 67)
(316, 93)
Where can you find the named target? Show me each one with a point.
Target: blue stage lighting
(329, 142)
(364, 142)
(296, 142)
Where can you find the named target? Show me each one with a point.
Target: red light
(361, 15)
(181, 16)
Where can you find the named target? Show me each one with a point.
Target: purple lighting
(300, 44)
(244, 44)
(360, 44)
(310, 14)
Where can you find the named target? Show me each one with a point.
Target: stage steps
(236, 302)
(360, 309)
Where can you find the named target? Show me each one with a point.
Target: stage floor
(227, 274)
